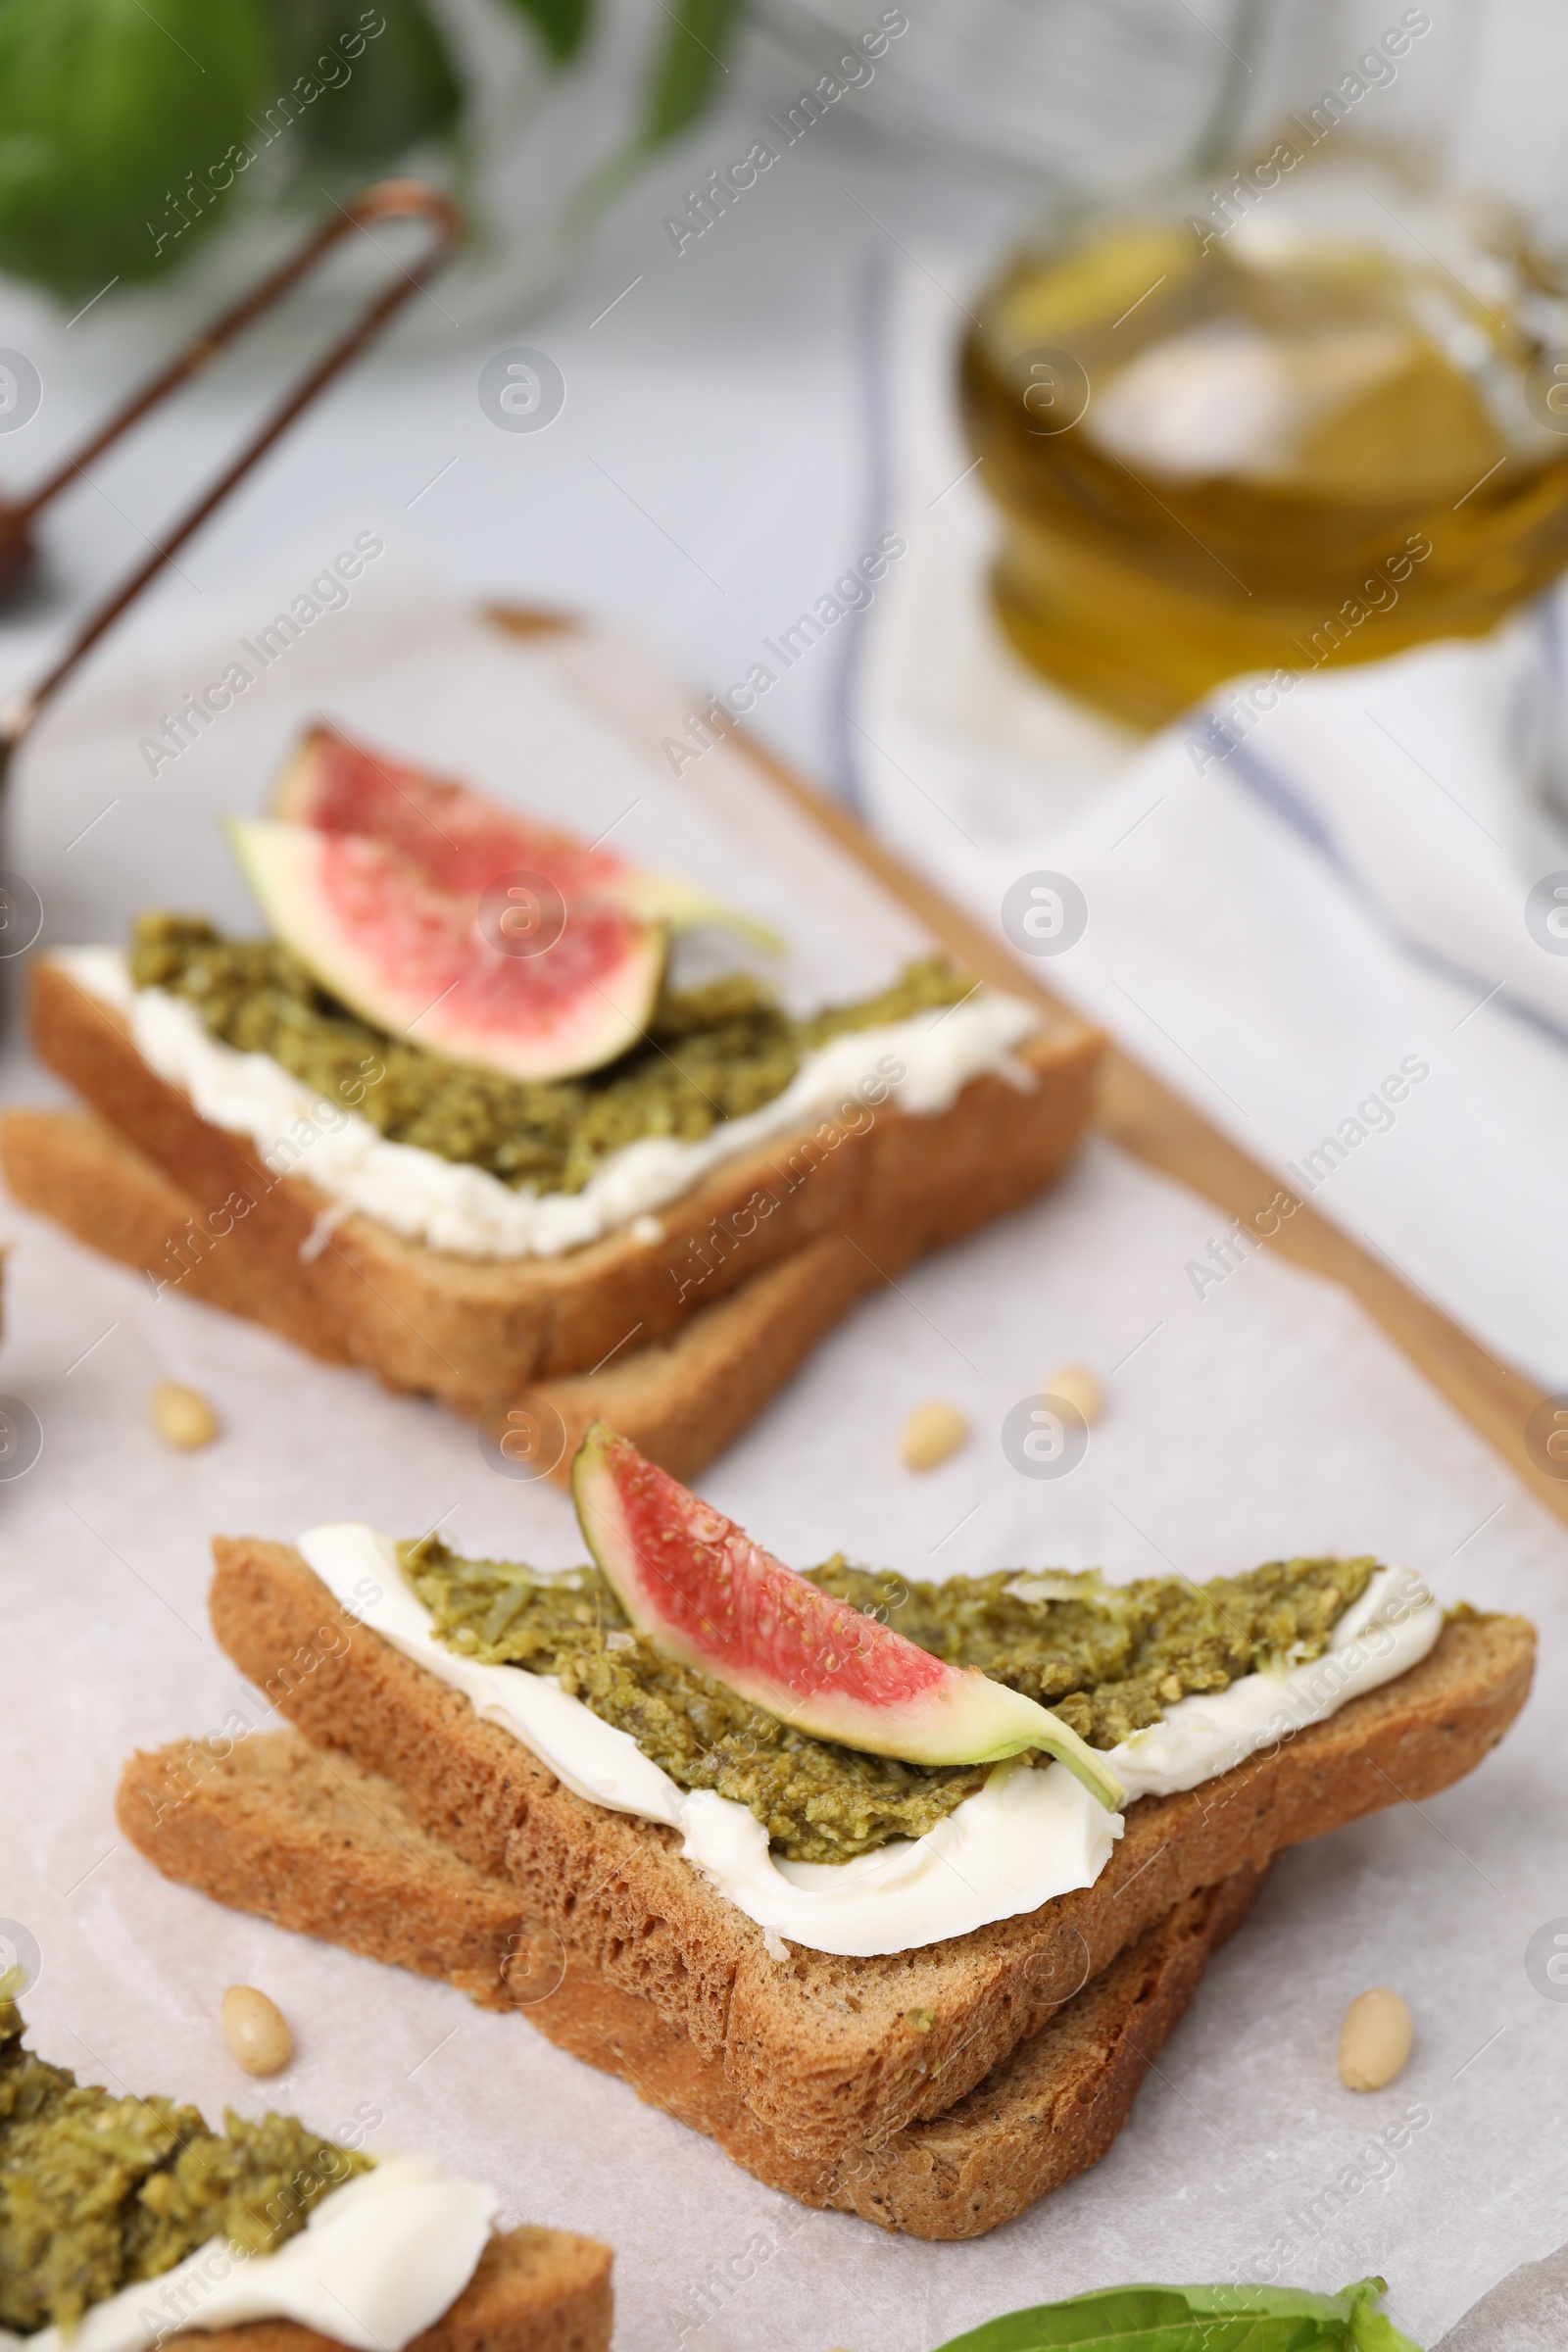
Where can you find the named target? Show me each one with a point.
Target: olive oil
(1327, 428)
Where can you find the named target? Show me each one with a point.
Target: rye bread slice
(834, 2055)
(534, 2291)
(307, 1839)
(680, 1400)
(474, 1331)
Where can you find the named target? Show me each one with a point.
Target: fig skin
(705, 1595)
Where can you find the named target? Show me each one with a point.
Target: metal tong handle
(386, 200)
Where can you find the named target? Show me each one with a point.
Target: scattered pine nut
(182, 1416)
(932, 1432)
(256, 2030)
(1374, 2041)
(1076, 1385)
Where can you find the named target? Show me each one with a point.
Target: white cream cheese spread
(1031, 1834)
(378, 2261)
(922, 1064)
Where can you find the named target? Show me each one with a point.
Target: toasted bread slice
(69, 1166)
(475, 1331)
(680, 1400)
(309, 1839)
(534, 2291)
(823, 2049)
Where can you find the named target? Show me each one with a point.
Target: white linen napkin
(1284, 904)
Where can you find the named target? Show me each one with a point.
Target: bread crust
(821, 2048)
(680, 1400)
(75, 1169)
(533, 2291)
(475, 1331)
(315, 1843)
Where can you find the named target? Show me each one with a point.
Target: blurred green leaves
(113, 115)
(687, 62)
(561, 24)
(688, 66)
(400, 87)
(125, 126)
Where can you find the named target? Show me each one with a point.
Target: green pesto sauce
(1107, 1658)
(97, 2192)
(710, 1054)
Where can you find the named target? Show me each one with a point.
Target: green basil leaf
(123, 130)
(691, 58)
(1371, 2331)
(1334, 2312)
(1374, 2332)
(1194, 2319)
(561, 24)
(1150, 2318)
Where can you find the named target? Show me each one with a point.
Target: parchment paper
(1268, 1418)
(1527, 2313)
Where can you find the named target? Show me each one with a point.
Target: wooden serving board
(1156, 1125)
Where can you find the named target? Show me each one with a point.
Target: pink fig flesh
(705, 1595)
(413, 958)
(463, 840)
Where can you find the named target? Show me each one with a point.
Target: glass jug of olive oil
(1311, 422)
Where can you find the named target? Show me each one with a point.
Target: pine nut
(182, 1416)
(1374, 2040)
(1076, 1385)
(256, 2030)
(933, 1431)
